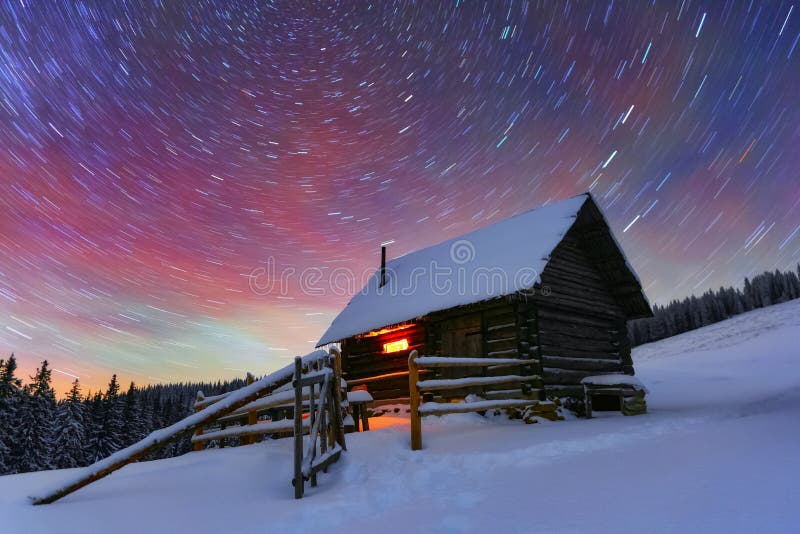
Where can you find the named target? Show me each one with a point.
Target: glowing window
(396, 346)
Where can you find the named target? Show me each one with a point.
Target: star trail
(154, 154)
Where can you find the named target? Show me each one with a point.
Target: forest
(38, 431)
(679, 316)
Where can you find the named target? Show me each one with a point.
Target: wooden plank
(436, 408)
(458, 383)
(252, 415)
(588, 364)
(562, 376)
(567, 341)
(337, 398)
(550, 314)
(367, 380)
(569, 352)
(512, 394)
(447, 361)
(298, 432)
(416, 424)
(199, 430)
(326, 461)
(271, 427)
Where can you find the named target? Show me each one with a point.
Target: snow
(459, 271)
(359, 396)
(615, 380)
(717, 452)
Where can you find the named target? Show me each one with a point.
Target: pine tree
(32, 449)
(105, 430)
(134, 427)
(71, 430)
(9, 384)
(9, 397)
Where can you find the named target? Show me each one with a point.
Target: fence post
(413, 393)
(337, 395)
(199, 430)
(252, 415)
(298, 429)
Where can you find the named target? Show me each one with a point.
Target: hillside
(717, 452)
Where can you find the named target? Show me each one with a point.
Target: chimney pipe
(383, 265)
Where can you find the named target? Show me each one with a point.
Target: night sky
(154, 155)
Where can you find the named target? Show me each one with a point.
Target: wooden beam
(414, 400)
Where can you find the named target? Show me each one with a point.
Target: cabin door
(461, 338)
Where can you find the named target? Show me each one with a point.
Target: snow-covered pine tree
(32, 448)
(105, 431)
(9, 397)
(93, 424)
(70, 430)
(134, 427)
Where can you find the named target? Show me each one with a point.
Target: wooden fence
(312, 382)
(430, 387)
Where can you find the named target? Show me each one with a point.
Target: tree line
(39, 432)
(711, 307)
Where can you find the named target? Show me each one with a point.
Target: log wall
(581, 325)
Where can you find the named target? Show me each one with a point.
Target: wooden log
(458, 383)
(435, 408)
(368, 379)
(379, 366)
(560, 390)
(583, 332)
(572, 342)
(563, 376)
(494, 345)
(364, 419)
(582, 364)
(416, 424)
(569, 352)
(513, 394)
(582, 306)
(337, 398)
(510, 325)
(552, 314)
(446, 361)
(252, 415)
(298, 431)
(258, 429)
(208, 401)
(199, 430)
(587, 401)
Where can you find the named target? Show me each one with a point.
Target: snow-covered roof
(497, 260)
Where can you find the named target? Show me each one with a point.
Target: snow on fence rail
(417, 387)
(320, 365)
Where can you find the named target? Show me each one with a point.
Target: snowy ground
(718, 452)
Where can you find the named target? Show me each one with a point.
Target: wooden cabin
(550, 284)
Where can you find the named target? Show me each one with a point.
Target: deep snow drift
(719, 451)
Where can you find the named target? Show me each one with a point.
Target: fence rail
(417, 387)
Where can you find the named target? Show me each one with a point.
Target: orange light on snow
(396, 346)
